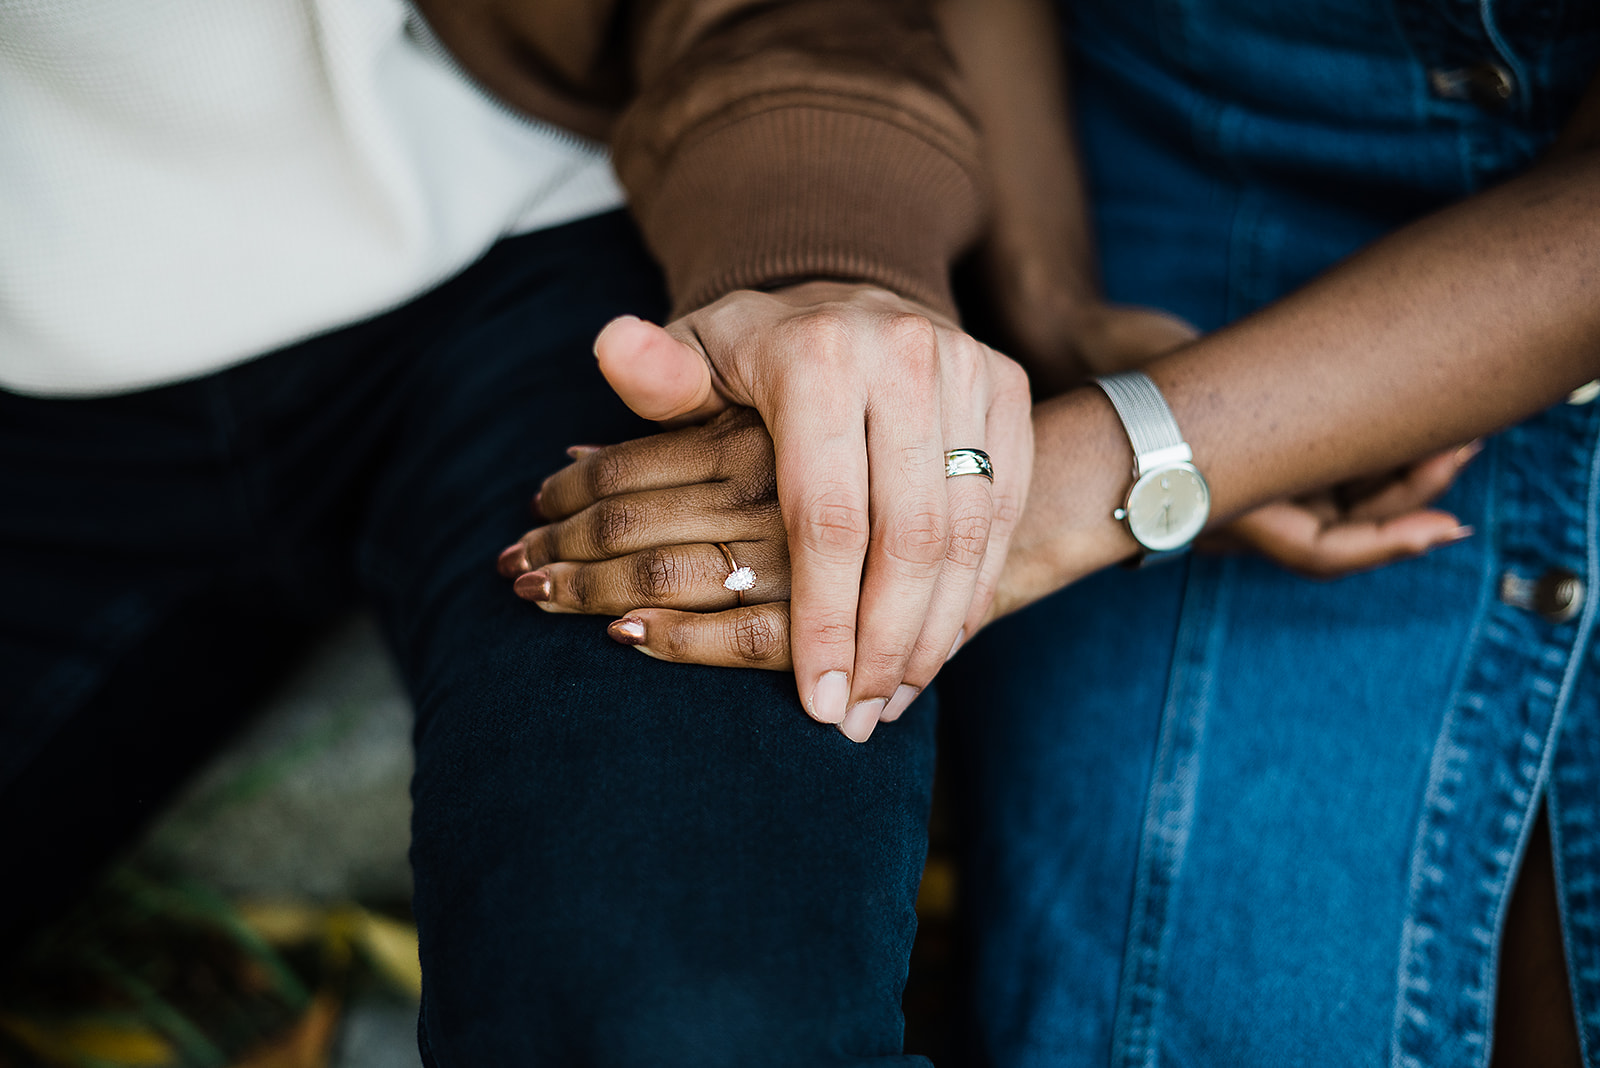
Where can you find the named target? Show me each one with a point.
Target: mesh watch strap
(1145, 416)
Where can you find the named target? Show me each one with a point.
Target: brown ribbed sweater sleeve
(770, 143)
(760, 141)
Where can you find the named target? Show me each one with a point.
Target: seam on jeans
(1169, 812)
(1588, 1023)
(1417, 1037)
(1412, 934)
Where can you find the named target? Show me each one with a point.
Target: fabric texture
(717, 112)
(618, 861)
(1228, 816)
(214, 188)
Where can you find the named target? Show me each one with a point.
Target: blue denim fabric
(1223, 815)
(618, 861)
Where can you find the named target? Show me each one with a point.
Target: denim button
(1486, 84)
(1584, 393)
(1557, 595)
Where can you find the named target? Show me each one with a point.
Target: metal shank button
(1558, 595)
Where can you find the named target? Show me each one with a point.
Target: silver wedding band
(968, 462)
(739, 578)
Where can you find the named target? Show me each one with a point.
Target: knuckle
(658, 574)
(605, 473)
(833, 633)
(1011, 379)
(614, 523)
(756, 638)
(920, 541)
(913, 341)
(1007, 510)
(825, 333)
(834, 523)
(880, 664)
(969, 539)
(578, 589)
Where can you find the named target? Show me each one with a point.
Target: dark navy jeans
(618, 861)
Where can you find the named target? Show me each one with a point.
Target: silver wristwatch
(1168, 504)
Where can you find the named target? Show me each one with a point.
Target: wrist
(1068, 531)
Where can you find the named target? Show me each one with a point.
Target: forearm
(1451, 328)
(1038, 251)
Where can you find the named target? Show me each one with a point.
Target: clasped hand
(886, 562)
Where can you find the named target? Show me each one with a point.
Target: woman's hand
(638, 525)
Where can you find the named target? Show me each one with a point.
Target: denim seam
(1588, 1023)
(1169, 813)
(1432, 979)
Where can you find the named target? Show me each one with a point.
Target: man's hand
(863, 392)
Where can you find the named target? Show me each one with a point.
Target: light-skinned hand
(863, 392)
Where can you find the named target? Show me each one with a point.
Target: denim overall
(1224, 815)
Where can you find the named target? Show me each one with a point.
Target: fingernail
(862, 717)
(533, 505)
(603, 329)
(534, 586)
(1461, 533)
(513, 560)
(578, 452)
(961, 636)
(629, 630)
(828, 699)
(900, 702)
(1465, 454)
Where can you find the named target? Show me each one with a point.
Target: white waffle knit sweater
(186, 184)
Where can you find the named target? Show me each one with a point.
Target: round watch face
(1167, 507)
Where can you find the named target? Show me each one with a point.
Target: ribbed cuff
(804, 192)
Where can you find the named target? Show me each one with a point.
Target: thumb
(657, 375)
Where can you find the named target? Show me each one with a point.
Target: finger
(616, 526)
(820, 448)
(1009, 429)
(910, 543)
(1417, 486)
(756, 636)
(1290, 535)
(688, 577)
(733, 447)
(659, 375)
(970, 499)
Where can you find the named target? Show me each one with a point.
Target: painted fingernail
(903, 696)
(862, 717)
(513, 560)
(629, 630)
(1465, 454)
(961, 636)
(534, 586)
(828, 699)
(578, 452)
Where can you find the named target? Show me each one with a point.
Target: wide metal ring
(968, 462)
(739, 578)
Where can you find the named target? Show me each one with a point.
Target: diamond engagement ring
(968, 462)
(739, 578)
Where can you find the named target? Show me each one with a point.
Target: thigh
(133, 631)
(1200, 796)
(618, 861)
